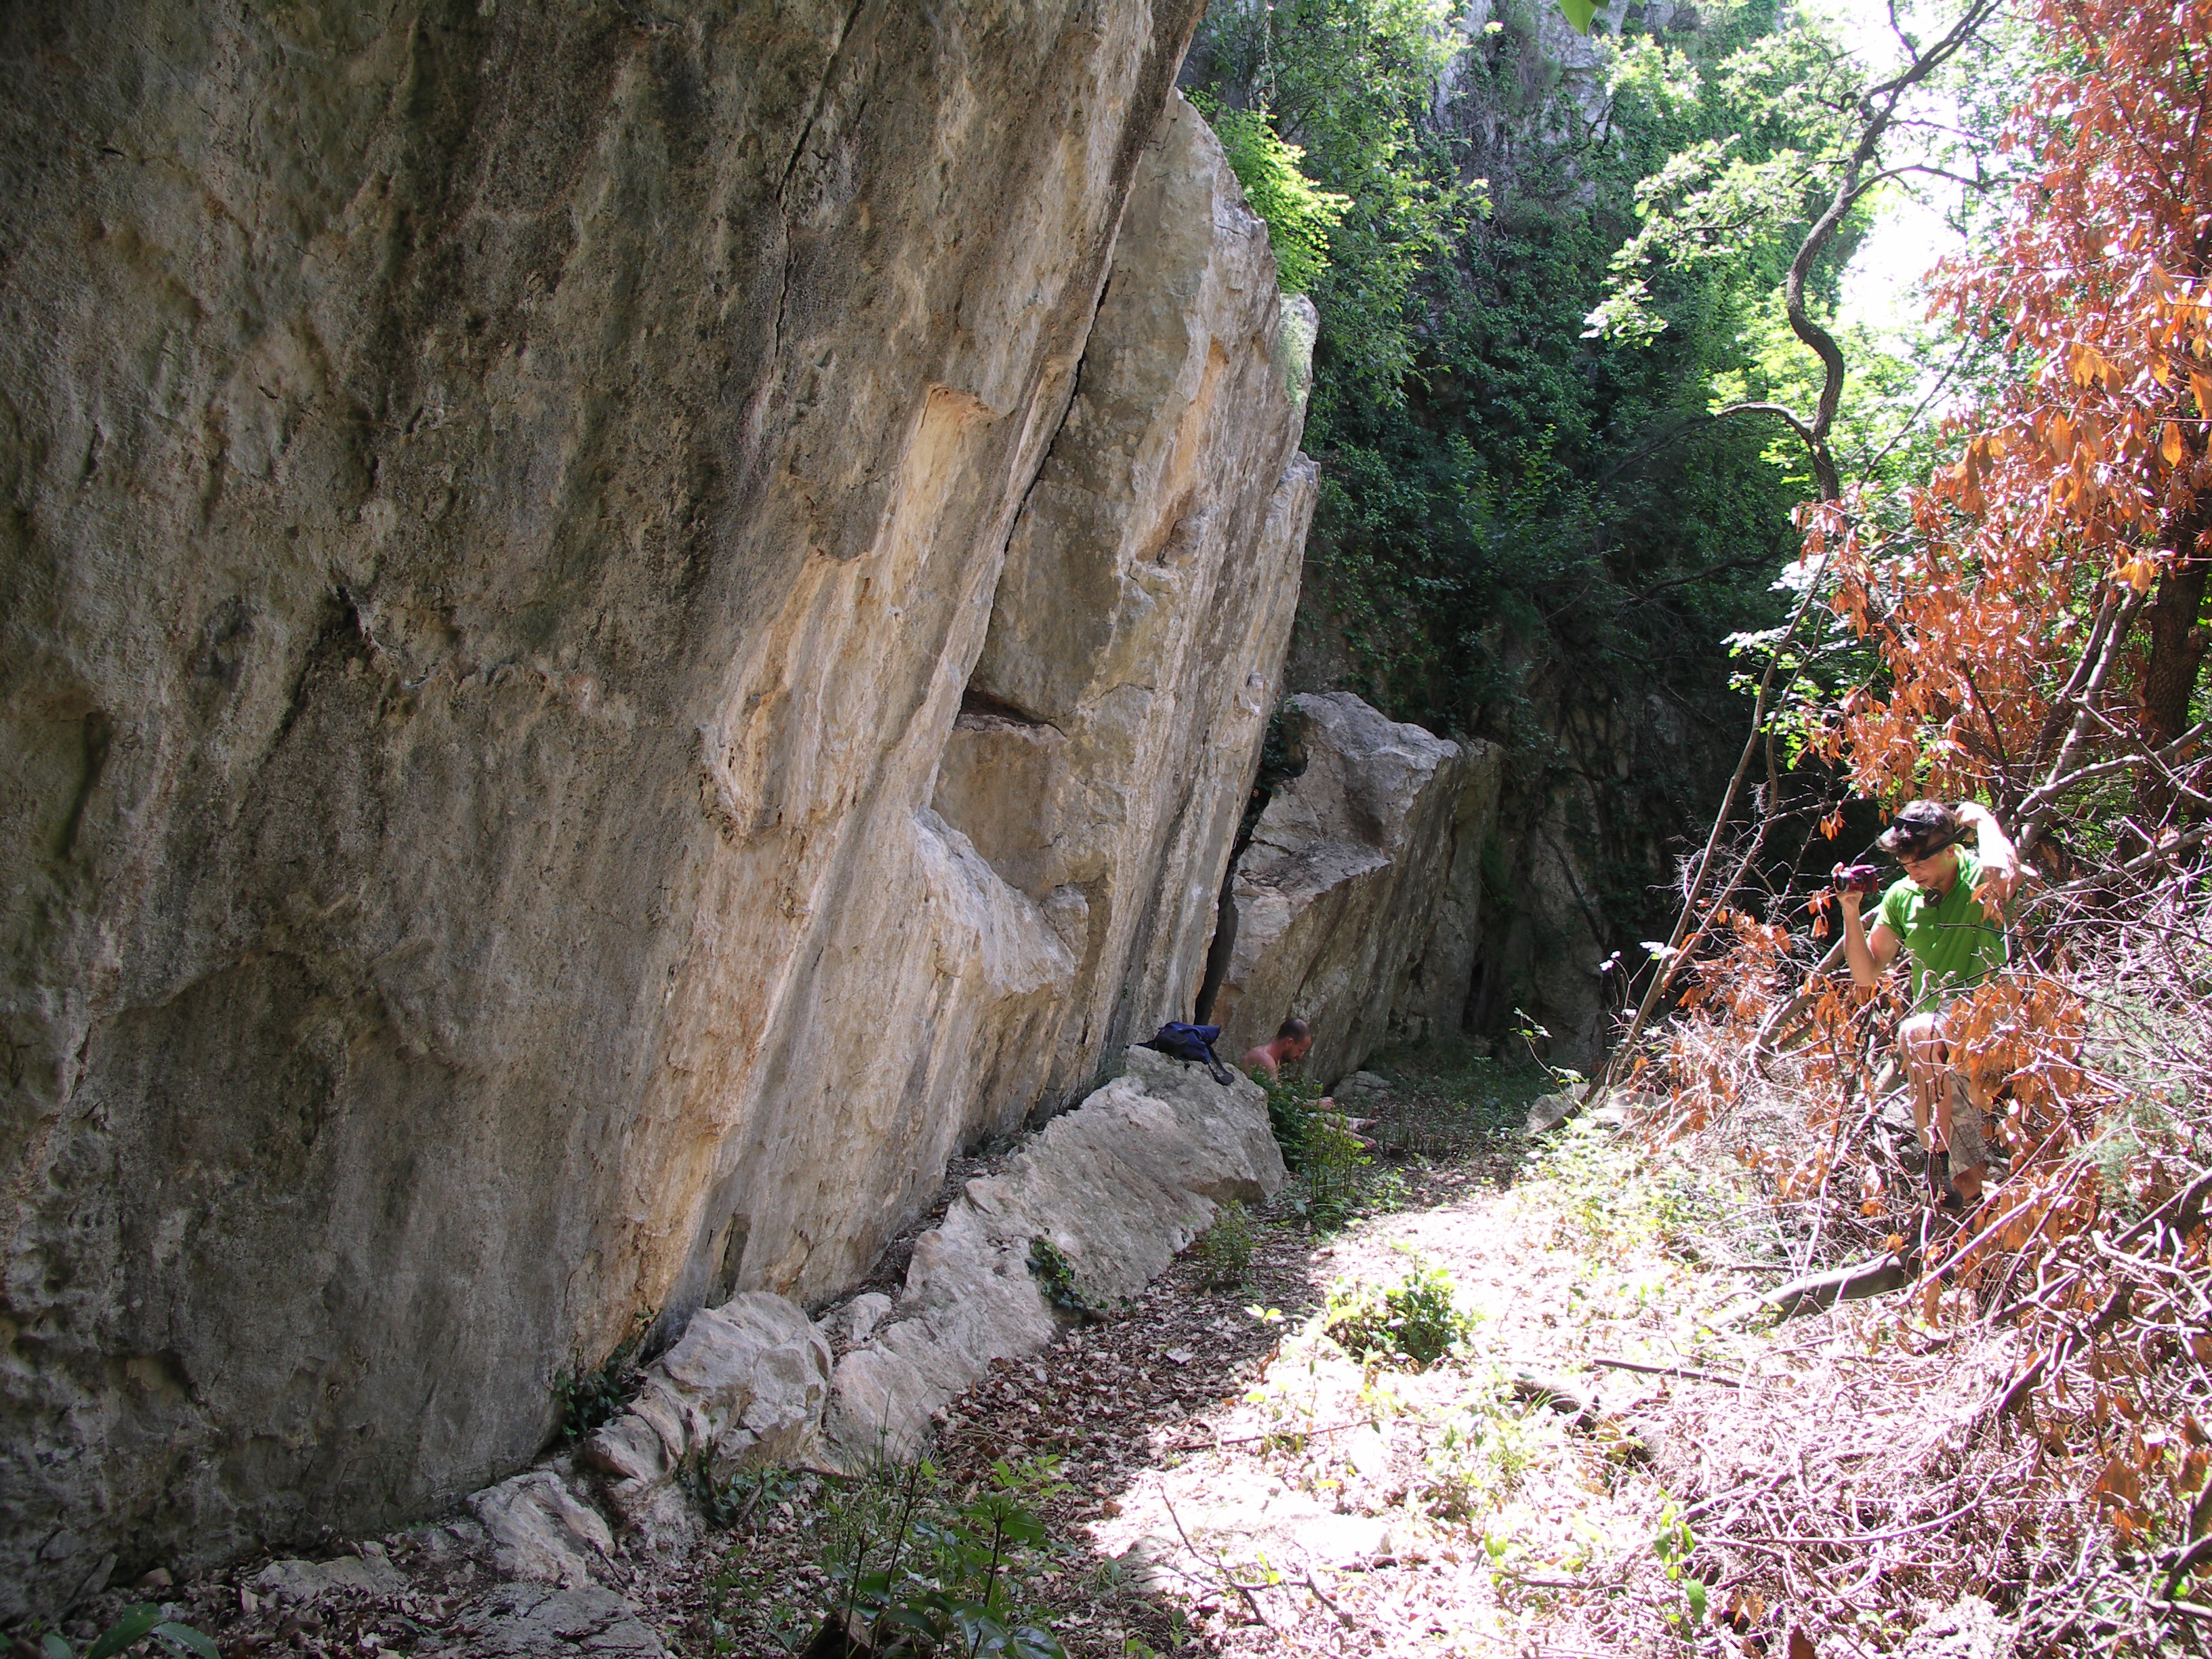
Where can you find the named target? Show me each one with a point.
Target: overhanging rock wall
(1111, 729)
(504, 506)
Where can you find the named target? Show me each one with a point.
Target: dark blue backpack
(1193, 1043)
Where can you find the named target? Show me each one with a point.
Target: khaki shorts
(1967, 1146)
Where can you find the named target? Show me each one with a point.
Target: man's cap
(1920, 828)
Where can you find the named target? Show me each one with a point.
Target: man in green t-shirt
(1947, 916)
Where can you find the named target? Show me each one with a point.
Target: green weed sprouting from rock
(583, 1400)
(1417, 1320)
(1225, 1249)
(1318, 1148)
(1051, 1266)
(730, 1503)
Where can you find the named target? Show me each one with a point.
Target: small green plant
(1485, 1448)
(1225, 1249)
(143, 1623)
(926, 1577)
(1672, 1547)
(1050, 1264)
(1291, 1102)
(1331, 1179)
(1417, 1319)
(583, 1400)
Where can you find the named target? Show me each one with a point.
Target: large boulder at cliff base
(1339, 894)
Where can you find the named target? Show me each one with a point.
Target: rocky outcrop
(744, 1387)
(1102, 759)
(504, 505)
(1115, 1188)
(1360, 894)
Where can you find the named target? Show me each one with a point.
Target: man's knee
(1920, 1040)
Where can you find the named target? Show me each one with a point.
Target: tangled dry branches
(2026, 1421)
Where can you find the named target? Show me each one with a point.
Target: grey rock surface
(505, 504)
(292, 1580)
(1340, 889)
(539, 1622)
(1117, 1186)
(853, 1324)
(1434, 1002)
(744, 1387)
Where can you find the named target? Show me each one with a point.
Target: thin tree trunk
(2178, 640)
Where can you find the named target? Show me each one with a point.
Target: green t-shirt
(1951, 945)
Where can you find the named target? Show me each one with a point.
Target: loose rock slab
(540, 1529)
(745, 1386)
(1117, 1187)
(534, 1621)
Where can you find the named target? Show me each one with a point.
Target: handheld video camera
(1858, 878)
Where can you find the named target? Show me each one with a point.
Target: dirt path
(1237, 1482)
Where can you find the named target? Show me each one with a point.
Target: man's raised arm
(1868, 957)
(2000, 862)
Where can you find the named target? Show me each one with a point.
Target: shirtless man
(1947, 916)
(1290, 1043)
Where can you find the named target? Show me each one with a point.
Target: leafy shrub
(927, 1578)
(1417, 1320)
(1333, 1186)
(1225, 1249)
(583, 1400)
(1479, 1459)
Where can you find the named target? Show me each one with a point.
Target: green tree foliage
(1343, 87)
(1484, 500)
(1524, 531)
(1299, 213)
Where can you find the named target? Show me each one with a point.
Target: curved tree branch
(1878, 107)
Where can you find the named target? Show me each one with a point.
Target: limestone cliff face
(1113, 723)
(503, 505)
